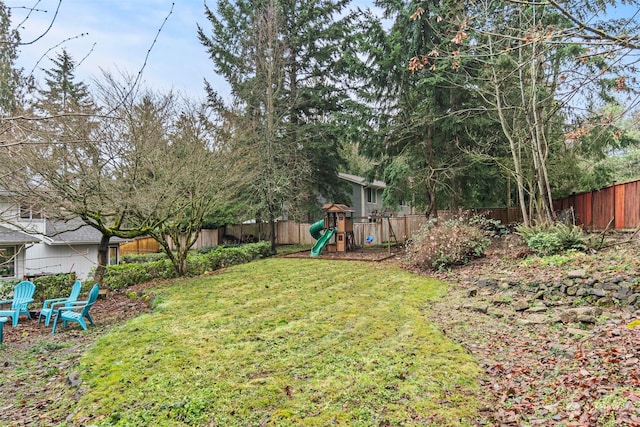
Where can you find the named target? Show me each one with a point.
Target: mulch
(115, 308)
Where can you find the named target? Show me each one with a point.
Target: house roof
(362, 181)
(74, 232)
(8, 236)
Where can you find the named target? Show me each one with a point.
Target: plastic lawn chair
(49, 306)
(3, 320)
(22, 296)
(77, 311)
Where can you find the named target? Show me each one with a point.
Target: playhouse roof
(336, 207)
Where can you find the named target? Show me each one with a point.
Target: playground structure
(334, 231)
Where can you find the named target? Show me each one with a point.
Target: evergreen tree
(63, 94)
(421, 137)
(10, 76)
(286, 62)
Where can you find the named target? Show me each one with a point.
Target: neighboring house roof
(362, 181)
(8, 236)
(74, 232)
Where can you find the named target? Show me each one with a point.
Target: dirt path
(539, 371)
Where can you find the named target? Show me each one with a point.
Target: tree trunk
(103, 258)
(272, 225)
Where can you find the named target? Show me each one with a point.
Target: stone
(624, 289)
(578, 332)
(577, 274)
(585, 318)
(472, 292)
(504, 286)
(539, 295)
(572, 290)
(597, 292)
(537, 309)
(479, 308)
(74, 379)
(534, 319)
(587, 310)
(521, 305)
(485, 283)
(568, 316)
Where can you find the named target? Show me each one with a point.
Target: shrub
(491, 227)
(454, 242)
(142, 258)
(125, 275)
(6, 288)
(53, 286)
(551, 239)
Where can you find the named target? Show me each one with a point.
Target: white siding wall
(41, 259)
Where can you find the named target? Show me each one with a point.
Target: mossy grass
(286, 342)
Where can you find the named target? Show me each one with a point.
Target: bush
(125, 275)
(454, 242)
(551, 239)
(142, 258)
(6, 288)
(53, 286)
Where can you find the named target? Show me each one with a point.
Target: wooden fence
(615, 207)
(382, 230)
(144, 245)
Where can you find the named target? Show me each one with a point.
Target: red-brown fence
(614, 207)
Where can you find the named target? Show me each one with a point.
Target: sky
(115, 35)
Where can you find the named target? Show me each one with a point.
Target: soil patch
(371, 253)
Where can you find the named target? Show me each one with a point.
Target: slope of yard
(281, 342)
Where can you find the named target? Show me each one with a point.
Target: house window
(371, 195)
(113, 255)
(27, 212)
(7, 261)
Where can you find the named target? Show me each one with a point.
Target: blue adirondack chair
(3, 320)
(22, 296)
(77, 311)
(49, 306)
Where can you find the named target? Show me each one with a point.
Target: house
(12, 252)
(366, 198)
(32, 246)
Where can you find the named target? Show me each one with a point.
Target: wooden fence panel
(144, 245)
(618, 205)
(632, 205)
(208, 238)
(603, 208)
(582, 208)
(293, 233)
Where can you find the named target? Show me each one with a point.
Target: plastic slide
(322, 238)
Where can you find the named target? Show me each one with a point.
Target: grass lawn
(283, 342)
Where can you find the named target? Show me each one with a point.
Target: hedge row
(124, 275)
(47, 287)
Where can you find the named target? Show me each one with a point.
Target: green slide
(316, 232)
